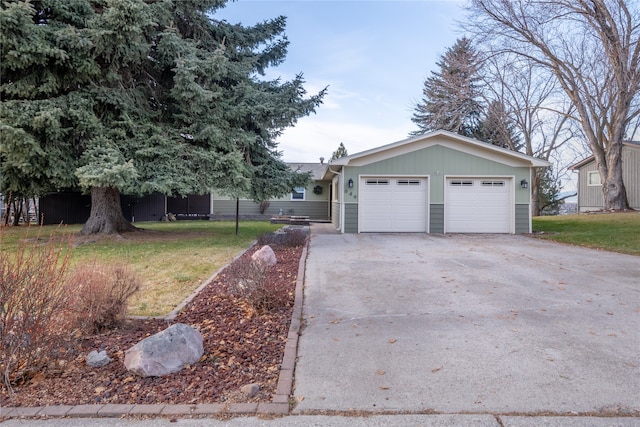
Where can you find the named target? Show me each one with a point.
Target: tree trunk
(106, 213)
(613, 189)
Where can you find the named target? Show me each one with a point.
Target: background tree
(497, 127)
(592, 49)
(451, 97)
(139, 97)
(538, 114)
(341, 151)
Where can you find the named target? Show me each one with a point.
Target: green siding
(436, 218)
(351, 218)
(437, 162)
(522, 218)
(312, 209)
(315, 206)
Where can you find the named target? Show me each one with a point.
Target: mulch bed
(241, 346)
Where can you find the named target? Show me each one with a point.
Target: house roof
(584, 162)
(445, 138)
(317, 169)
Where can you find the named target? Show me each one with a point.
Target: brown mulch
(241, 346)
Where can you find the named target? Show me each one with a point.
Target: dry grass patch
(172, 259)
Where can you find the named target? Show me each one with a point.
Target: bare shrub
(254, 286)
(34, 318)
(287, 238)
(101, 292)
(294, 238)
(264, 205)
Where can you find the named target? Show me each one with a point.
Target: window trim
(303, 192)
(589, 181)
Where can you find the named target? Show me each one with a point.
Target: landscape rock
(265, 255)
(97, 359)
(250, 390)
(166, 352)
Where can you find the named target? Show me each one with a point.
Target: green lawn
(617, 232)
(173, 258)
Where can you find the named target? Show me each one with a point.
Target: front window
(298, 193)
(593, 178)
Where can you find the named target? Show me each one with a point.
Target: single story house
(439, 182)
(590, 197)
(312, 201)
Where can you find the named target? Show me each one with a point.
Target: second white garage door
(393, 205)
(478, 205)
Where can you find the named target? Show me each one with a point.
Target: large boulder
(265, 255)
(165, 352)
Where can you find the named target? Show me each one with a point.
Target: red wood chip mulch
(241, 346)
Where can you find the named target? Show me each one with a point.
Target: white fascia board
(446, 139)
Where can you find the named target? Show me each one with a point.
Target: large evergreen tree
(451, 96)
(139, 96)
(497, 128)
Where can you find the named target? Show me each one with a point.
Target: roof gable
(317, 169)
(447, 139)
(584, 162)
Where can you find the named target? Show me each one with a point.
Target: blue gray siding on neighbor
(436, 218)
(350, 218)
(312, 209)
(522, 218)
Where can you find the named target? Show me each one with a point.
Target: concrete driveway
(468, 323)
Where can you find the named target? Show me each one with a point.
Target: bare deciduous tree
(592, 48)
(538, 112)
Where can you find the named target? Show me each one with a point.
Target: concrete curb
(279, 405)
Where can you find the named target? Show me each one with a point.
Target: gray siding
(631, 172)
(436, 218)
(312, 209)
(522, 218)
(590, 196)
(350, 218)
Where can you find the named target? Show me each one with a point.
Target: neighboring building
(439, 182)
(590, 197)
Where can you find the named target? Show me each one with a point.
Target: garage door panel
(477, 205)
(393, 205)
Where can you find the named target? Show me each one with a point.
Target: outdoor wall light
(350, 183)
(524, 183)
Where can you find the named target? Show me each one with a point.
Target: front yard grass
(617, 232)
(172, 258)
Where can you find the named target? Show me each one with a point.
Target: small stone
(97, 359)
(250, 390)
(265, 255)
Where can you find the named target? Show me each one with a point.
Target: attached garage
(439, 182)
(393, 204)
(477, 205)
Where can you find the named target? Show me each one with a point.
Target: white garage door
(393, 205)
(477, 206)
